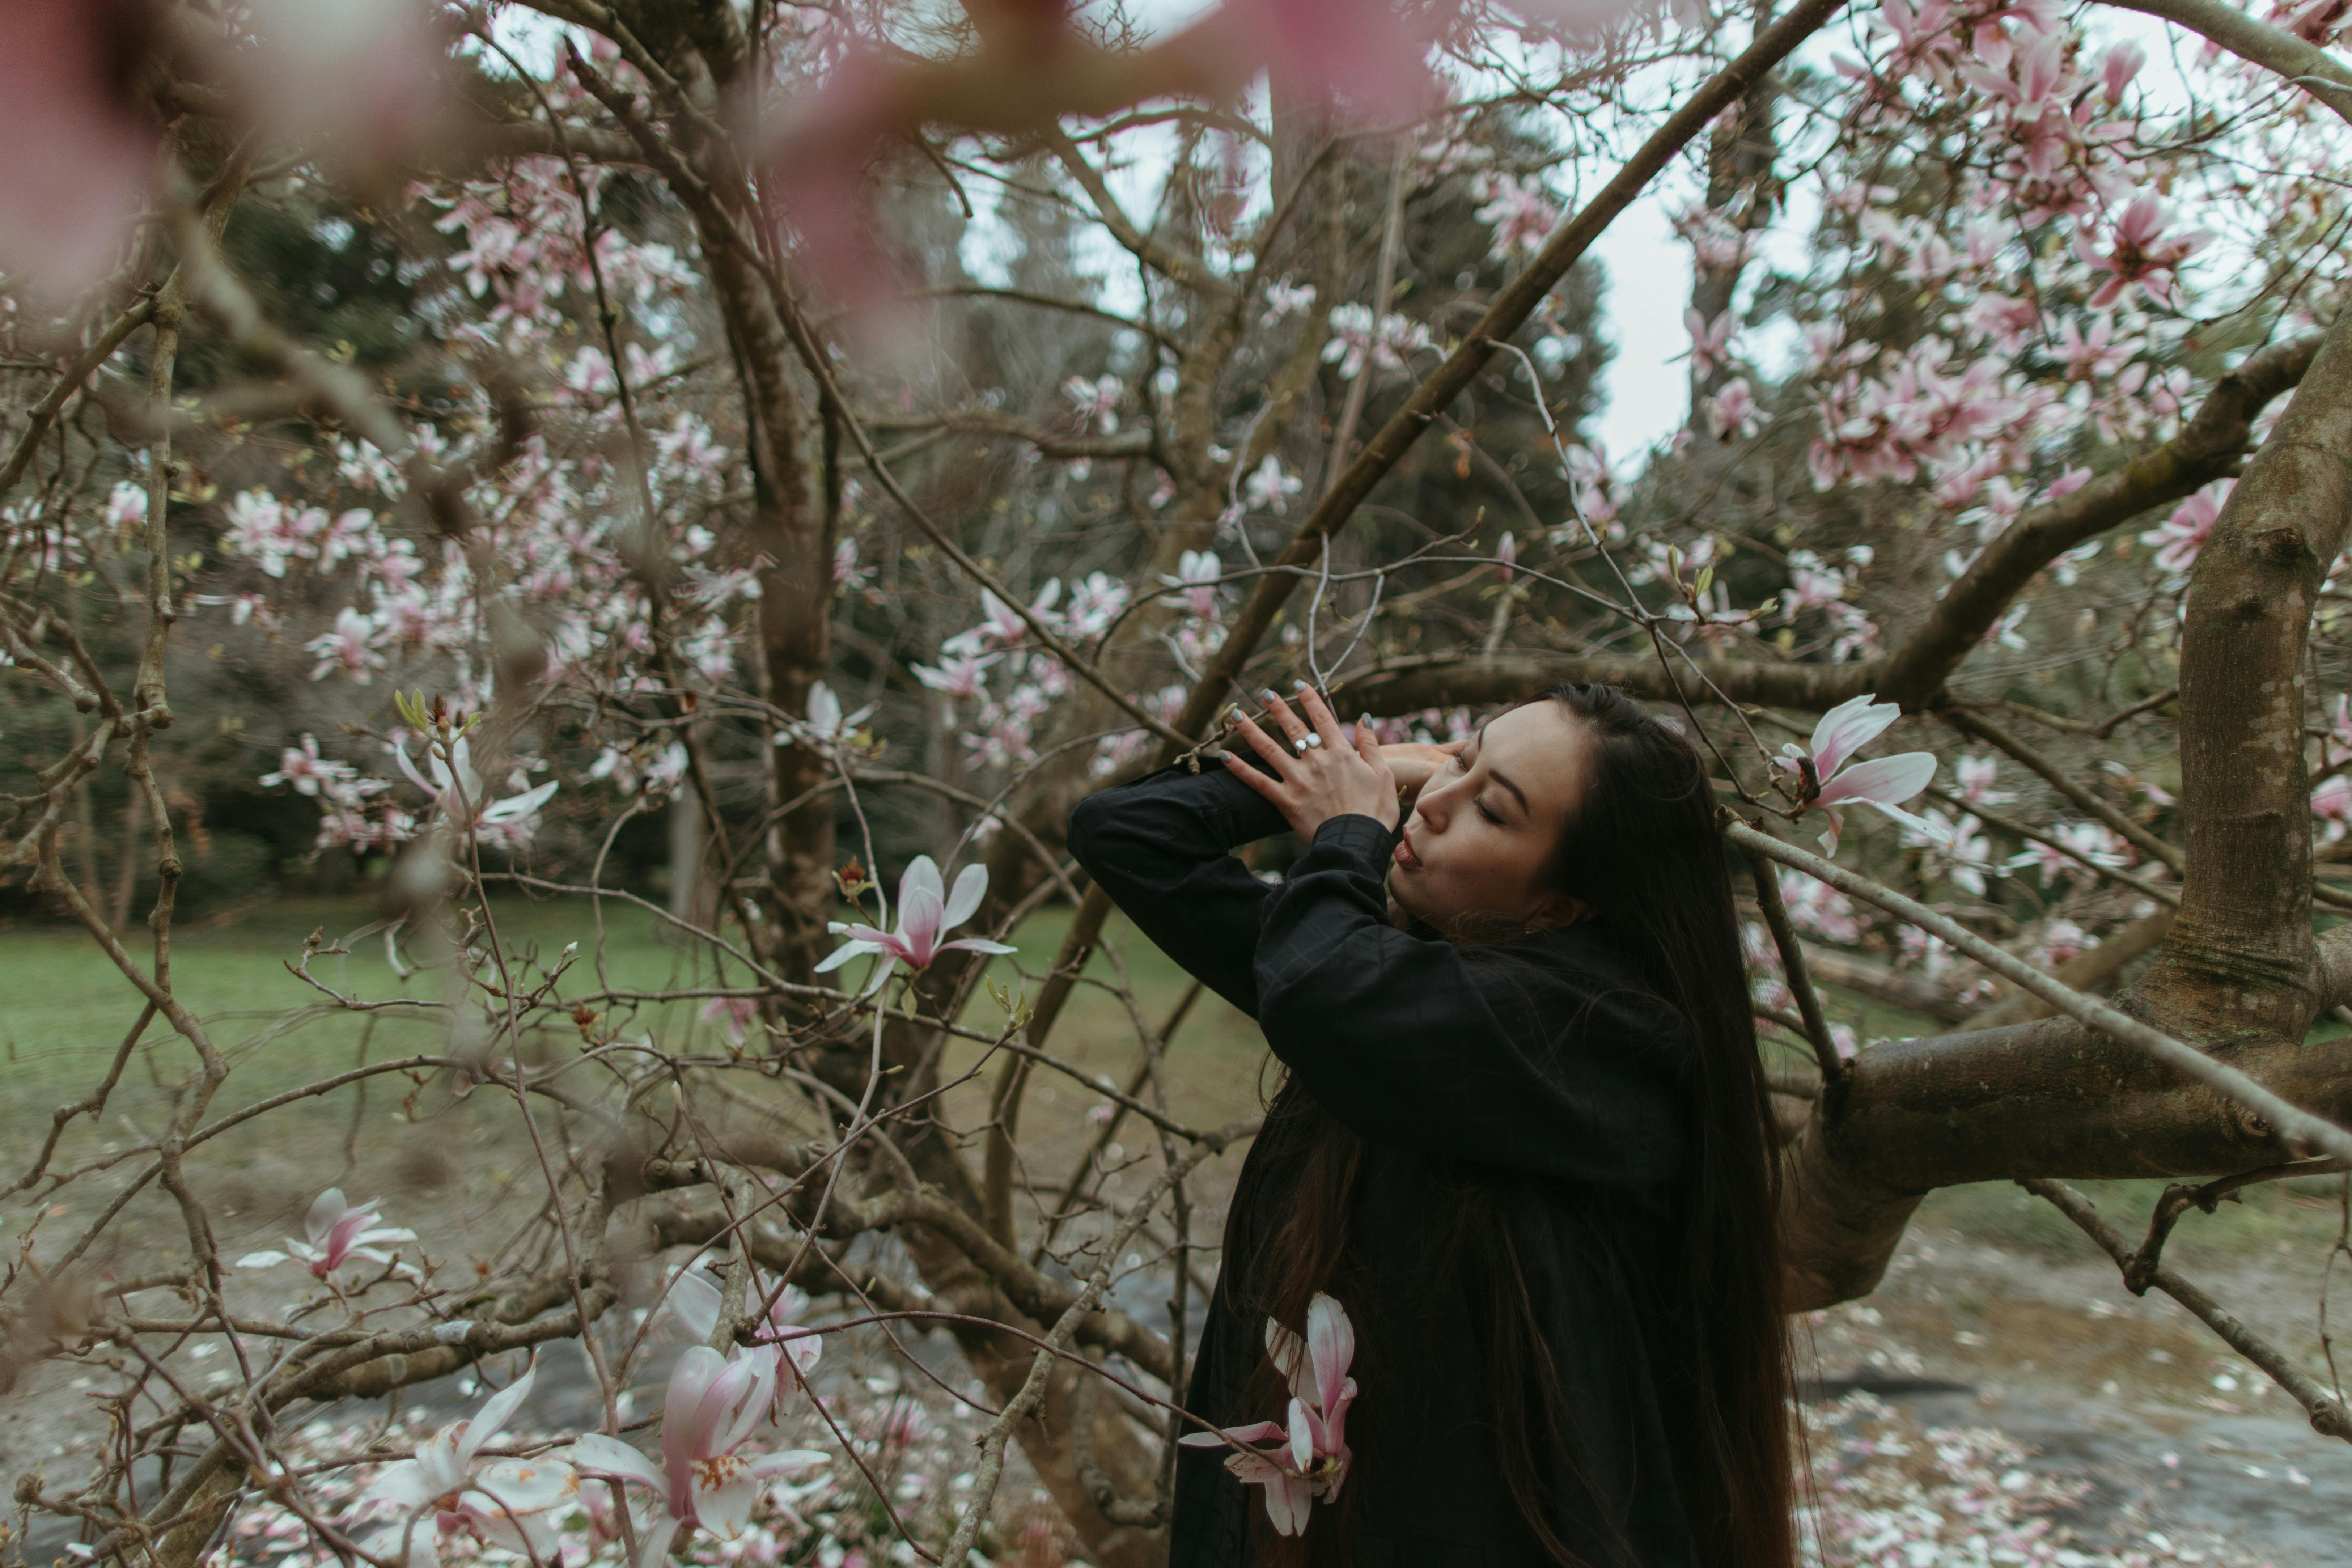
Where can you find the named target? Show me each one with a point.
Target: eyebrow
(1500, 779)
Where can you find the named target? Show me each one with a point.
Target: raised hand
(1322, 775)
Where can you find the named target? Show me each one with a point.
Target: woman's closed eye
(1462, 763)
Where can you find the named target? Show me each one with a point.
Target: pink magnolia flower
(695, 1298)
(2122, 64)
(337, 1231)
(2183, 534)
(461, 796)
(1311, 1457)
(2141, 255)
(1732, 411)
(1710, 342)
(713, 1405)
(923, 916)
(350, 647)
(734, 1013)
(306, 770)
(1506, 556)
(1197, 574)
(1097, 401)
(1520, 212)
(509, 1503)
(965, 675)
(1000, 623)
(2331, 802)
(1268, 488)
(1976, 776)
(825, 724)
(1884, 782)
(1096, 602)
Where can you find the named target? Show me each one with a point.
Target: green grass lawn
(64, 1011)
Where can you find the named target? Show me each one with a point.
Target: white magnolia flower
(509, 1503)
(338, 1230)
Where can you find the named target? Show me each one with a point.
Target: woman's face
(1486, 825)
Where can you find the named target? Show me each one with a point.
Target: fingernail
(1269, 694)
(1298, 686)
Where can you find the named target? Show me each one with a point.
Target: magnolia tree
(849, 436)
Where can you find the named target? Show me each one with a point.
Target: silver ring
(1299, 746)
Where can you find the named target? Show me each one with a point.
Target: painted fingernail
(1298, 686)
(1269, 694)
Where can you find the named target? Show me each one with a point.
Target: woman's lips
(1404, 856)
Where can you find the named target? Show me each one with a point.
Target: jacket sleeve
(1550, 1069)
(1159, 847)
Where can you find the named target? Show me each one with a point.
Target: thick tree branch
(2303, 63)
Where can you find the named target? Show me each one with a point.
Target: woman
(1522, 1140)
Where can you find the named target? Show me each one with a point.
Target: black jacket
(1533, 1083)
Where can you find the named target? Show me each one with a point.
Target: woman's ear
(1559, 910)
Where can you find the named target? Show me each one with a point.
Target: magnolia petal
(693, 1300)
(1829, 839)
(325, 1209)
(921, 873)
(1255, 1468)
(963, 902)
(400, 750)
(653, 1541)
(258, 1261)
(442, 1459)
(919, 924)
(1261, 1432)
(424, 1544)
(751, 1396)
(403, 1483)
(520, 1487)
(597, 1455)
(1288, 1353)
(881, 973)
(844, 953)
(1288, 1500)
(497, 1412)
(1939, 831)
(520, 806)
(1847, 727)
(785, 1461)
(978, 944)
(1882, 781)
(1331, 1346)
(1302, 1435)
(697, 1368)
(724, 1490)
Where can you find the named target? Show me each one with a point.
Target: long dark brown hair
(1641, 852)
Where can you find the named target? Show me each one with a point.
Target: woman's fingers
(1294, 730)
(1266, 745)
(1319, 714)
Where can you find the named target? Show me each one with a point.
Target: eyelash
(1489, 816)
